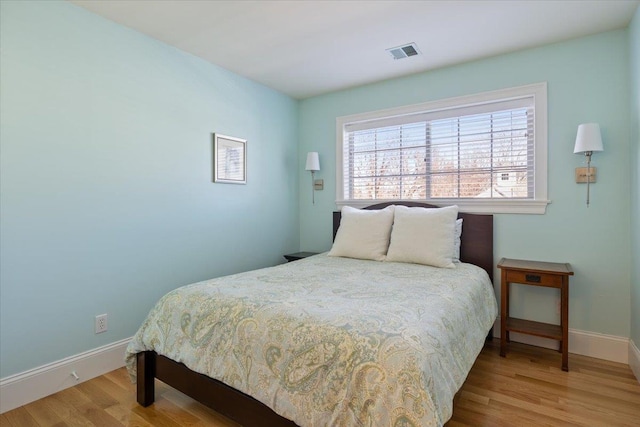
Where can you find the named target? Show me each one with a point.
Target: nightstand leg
(564, 302)
(504, 313)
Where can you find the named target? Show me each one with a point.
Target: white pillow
(423, 236)
(363, 234)
(457, 241)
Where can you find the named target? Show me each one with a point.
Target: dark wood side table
(298, 255)
(535, 273)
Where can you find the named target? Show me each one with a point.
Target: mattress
(331, 341)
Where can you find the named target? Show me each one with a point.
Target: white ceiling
(306, 48)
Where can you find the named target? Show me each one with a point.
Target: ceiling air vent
(404, 51)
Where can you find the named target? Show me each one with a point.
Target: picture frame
(229, 159)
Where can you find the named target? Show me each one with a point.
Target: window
(485, 153)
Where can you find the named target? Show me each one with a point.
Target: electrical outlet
(101, 323)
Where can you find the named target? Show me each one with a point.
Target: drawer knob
(534, 278)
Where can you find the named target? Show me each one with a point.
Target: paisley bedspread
(328, 341)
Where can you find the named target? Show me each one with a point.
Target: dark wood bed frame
(476, 248)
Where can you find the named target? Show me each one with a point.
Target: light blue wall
(588, 80)
(107, 200)
(634, 56)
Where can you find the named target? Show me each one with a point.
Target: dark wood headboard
(476, 245)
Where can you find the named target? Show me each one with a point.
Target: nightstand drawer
(534, 278)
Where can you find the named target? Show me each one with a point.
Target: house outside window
(485, 153)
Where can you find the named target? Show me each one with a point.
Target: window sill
(535, 207)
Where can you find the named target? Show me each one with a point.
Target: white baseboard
(634, 359)
(601, 346)
(592, 344)
(25, 387)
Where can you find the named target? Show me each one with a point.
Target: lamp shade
(313, 161)
(588, 138)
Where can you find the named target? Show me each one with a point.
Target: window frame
(537, 205)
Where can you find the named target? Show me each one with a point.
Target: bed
(325, 340)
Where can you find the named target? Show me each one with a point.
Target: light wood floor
(527, 388)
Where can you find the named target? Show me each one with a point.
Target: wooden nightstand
(534, 273)
(298, 255)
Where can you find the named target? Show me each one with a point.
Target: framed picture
(229, 159)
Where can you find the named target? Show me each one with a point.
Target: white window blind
(485, 151)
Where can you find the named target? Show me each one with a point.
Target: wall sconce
(313, 165)
(588, 140)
